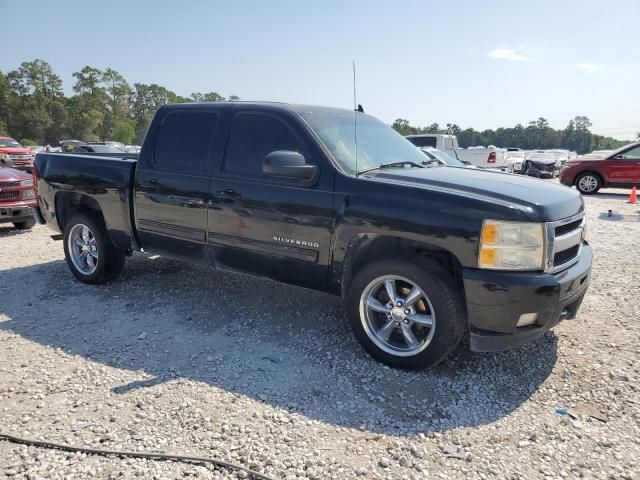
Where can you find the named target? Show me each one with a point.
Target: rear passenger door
(172, 186)
(273, 227)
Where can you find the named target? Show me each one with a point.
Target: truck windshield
(9, 143)
(378, 143)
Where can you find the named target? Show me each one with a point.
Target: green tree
(124, 131)
(403, 128)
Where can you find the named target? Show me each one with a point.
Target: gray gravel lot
(183, 359)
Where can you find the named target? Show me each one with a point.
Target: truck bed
(96, 180)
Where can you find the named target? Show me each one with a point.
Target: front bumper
(496, 300)
(15, 214)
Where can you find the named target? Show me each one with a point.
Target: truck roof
(276, 106)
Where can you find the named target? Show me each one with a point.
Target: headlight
(28, 194)
(511, 246)
(26, 183)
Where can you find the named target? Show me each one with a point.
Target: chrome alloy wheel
(588, 183)
(397, 315)
(83, 249)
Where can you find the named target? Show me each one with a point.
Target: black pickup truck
(332, 200)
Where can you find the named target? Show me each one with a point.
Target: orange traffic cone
(633, 196)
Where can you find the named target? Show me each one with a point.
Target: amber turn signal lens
(489, 233)
(487, 257)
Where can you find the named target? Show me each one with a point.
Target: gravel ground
(177, 358)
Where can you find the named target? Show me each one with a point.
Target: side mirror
(288, 164)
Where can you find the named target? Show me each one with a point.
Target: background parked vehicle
(97, 148)
(541, 165)
(119, 146)
(514, 159)
(620, 168)
(563, 156)
(480, 157)
(68, 145)
(14, 155)
(17, 198)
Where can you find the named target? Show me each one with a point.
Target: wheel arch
(364, 248)
(68, 204)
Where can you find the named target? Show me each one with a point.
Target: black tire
(111, 259)
(598, 183)
(25, 225)
(446, 300)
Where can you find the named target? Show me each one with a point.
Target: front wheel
(588, 183)
(406, 315)
(90, 255)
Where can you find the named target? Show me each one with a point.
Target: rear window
(255, 135)
(184, 141)
(423, 141)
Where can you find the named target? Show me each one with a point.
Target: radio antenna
(355, 115)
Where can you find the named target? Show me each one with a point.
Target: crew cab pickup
(422, 254)
(477, 156)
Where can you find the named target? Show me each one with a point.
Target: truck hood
(537, 199)
(12, 175)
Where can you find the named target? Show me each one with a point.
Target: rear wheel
(89, 254)
(588, 183)
(25, 225)
(406, 315)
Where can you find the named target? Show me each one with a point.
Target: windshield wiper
(391, 165)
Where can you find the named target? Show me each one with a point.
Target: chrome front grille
(564, 242)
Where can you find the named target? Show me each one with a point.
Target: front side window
(255, 135)
(184, 141)
(633, 154)
(378, 143)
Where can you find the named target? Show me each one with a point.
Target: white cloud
(590, 68)
(508, 54)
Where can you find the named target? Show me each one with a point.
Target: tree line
(536, 135)
(104, 106)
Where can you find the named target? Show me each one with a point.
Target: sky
(477, 64)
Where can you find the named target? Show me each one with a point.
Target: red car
(17, 198)
(14, 155)
(618, 169)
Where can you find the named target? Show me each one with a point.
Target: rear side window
(253, 136)
(184, 141)
(423, 141)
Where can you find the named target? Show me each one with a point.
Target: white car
(514, 160)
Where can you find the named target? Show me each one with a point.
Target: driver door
(264, 225)
(625, 167)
